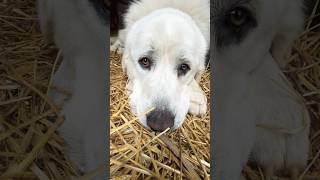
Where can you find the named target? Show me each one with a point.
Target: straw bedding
(30, 148)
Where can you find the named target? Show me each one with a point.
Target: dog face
(164, 51)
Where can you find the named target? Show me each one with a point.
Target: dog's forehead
(163, 23)
(158, 32)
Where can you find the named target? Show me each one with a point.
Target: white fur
(82, 40)
(152, 25)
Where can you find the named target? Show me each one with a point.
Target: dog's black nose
(160, 120)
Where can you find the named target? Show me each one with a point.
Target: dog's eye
(183, 69)
(145, 63)
(238, 17)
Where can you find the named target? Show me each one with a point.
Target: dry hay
(30, 147)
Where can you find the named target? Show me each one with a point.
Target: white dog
(166, 43)
(79, 29)
(256, 111)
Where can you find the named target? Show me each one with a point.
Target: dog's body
(79, 29)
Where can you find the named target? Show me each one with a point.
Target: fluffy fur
(151, 26)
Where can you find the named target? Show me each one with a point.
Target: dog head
(164, 50)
